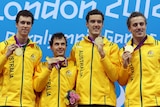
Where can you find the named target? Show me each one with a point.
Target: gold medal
(55, 60)
(18, 51)
(99, 40)
(129, 48)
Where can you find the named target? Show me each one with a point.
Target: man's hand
(126, 58)
(10, 49)
(54, 62)
(99, 44)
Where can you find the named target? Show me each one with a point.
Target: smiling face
(137, 27)
(95, 24)
(59, 47)
(24, 25)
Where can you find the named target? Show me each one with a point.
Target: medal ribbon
(18, 50)
(91, 39)
(140, 44)
(61, 64)
(17, 41)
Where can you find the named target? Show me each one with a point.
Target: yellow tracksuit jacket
(96, 76)
(142, 77)
(17, 74)
(54, 84)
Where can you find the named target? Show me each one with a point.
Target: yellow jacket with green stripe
(53, 85)
(17, 73)
(96, 75)
(142, 77)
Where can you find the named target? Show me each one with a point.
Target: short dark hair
(135, 14)
(58, 35)
(25, 13)
(94, 12)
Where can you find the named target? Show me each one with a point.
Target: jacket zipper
(58, 87)
(141, 77)
(91, 75)
(22, 77)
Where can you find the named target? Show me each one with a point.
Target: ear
(87, 24)
(129, 29)
(16, 25)
(50, 47)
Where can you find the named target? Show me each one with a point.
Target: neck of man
(22, 39)
(138, 40)
(93, 37)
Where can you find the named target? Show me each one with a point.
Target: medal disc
(18, 51)
(129, 48)
(99, 40)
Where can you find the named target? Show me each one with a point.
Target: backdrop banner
(68, 16)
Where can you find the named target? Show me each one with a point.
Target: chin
(96, 33)
(24, 33)
(141, 36)
(61, 55)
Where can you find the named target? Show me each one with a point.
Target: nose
(96, 23)
(138, 26)
(25, 24)
(60, 45)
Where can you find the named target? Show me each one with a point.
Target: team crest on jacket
(150, 53)
(33, 57)
(68, 73)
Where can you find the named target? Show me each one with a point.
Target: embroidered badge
(150, 53)
(68, 73)
(33, 57)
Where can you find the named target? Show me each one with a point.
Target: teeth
(96, 29)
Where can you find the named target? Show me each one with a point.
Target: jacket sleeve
(123, 73)
(123, 76)
(41, 77)
(2, 55)
(111, 62)
(2, 62)
(72, 54)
